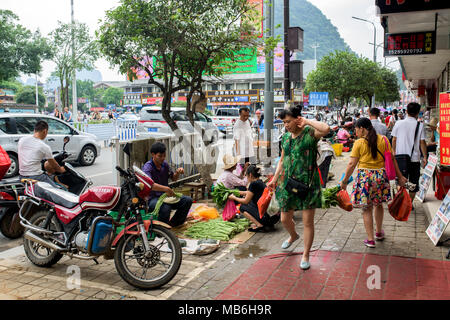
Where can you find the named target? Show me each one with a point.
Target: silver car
(83, 147)
(152, 121)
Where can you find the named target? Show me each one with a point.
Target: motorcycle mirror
(66, 140)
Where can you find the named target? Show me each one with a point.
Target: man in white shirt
(405, 147)
(32, 150)
(380, 128)
(243, 137)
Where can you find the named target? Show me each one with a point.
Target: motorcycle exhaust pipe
(35, 238)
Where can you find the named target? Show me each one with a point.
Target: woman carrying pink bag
(371, 152)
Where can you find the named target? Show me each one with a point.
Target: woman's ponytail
(372, 137)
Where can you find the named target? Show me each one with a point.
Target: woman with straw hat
(434, 127)
(228, 178)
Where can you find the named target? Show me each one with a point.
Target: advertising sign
(425, 180)
(413, 43)
(318, 99)
(444, 128)
(439, 221)
(395, 6)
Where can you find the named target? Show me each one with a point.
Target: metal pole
(315, 46)
(268, 81)
(287, 84)
(37, 95)
(374, 55)
(74, 78)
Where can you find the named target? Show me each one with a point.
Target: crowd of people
(67, 116)
(304, 150)
(304, 162)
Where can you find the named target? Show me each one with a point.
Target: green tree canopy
(112, 96)
(86, 53)
(177, 42)
(20, 49)
(346, 76)
(27, 95)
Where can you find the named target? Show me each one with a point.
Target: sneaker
(369, 243)
(379, 236)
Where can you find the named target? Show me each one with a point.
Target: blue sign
(241, 99)
(318, 99)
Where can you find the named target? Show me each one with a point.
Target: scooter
(12, 194)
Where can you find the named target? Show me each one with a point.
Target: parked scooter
(12, 194)
(146, 253)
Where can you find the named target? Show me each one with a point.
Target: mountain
(317, 28)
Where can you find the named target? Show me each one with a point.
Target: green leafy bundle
(329, 197)
(221, 193)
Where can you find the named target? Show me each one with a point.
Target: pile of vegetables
(221, 193)
(329, 197)
(217, 229)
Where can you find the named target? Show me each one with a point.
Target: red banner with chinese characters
(444, 128)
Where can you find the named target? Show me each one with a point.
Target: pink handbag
(388, 162)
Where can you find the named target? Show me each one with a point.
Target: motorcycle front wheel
(38, 254)
(152, 269)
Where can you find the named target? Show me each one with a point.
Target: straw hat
(433, 122)
(229, 161)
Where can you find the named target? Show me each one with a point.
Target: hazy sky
(44, 14)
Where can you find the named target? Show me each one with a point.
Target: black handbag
(404, 160)
(295, 186)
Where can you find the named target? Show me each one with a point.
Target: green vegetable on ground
(217, 229)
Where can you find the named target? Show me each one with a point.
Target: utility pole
(268, 81)
(315, 46)
(374, 48)
(74, 78)
(287, 57)
(37, 95)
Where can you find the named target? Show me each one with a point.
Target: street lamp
(374, 47)
(74, 78)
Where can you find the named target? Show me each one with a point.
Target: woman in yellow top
(371, 187)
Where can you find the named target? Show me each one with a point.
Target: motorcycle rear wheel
(5, 225)
(38, 254)
(133, 264)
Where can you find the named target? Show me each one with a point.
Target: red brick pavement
(341, 276)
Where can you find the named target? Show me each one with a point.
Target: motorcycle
(12, 196)
(146, 253)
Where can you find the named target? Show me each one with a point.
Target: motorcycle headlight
(140, 186)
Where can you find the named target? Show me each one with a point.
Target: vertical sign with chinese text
(444, 128)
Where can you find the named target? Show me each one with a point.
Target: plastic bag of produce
(205, 213)
(264, 201)
(274, 207)
(229, 212)
(344, 200)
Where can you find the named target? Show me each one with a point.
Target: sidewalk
(411, 266)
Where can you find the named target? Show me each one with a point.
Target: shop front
(418, 33)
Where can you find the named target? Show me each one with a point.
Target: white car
(151, 121)
(83, 147)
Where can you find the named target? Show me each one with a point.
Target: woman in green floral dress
(298, 159)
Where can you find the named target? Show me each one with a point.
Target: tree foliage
(21, 51)
(86, 53)
(113, 96)
(27, 95)
(346, 76)
(177, 42)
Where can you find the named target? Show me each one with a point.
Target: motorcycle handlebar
(122, 172)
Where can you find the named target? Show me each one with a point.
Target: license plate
(152, 129)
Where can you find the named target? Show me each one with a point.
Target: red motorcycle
(146, 253)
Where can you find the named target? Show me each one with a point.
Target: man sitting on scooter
(32, 150)
(160, 172)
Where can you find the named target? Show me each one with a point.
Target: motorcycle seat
(15, 180)
(58, 196)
